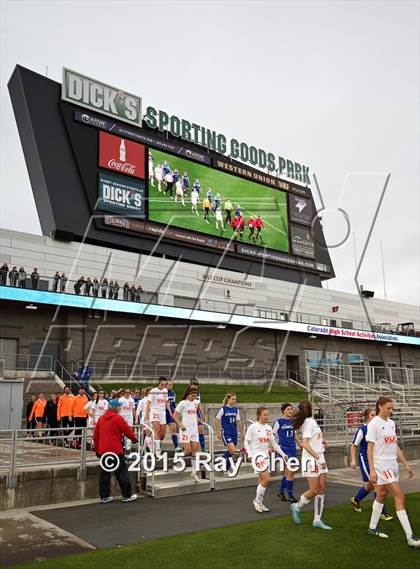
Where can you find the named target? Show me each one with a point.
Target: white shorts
(187, 437)
(158, 415)
(262, 465)
(312, 468)
(387, 472)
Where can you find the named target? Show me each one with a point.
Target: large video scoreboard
(100, 178)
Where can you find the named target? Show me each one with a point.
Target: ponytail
(304, 411)
(367, 412)
(227, 397)
(382, 401)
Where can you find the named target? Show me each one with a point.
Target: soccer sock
(405, 522)
(376, 514)
(157, 445)
(282, 486)
(193, 463)
(175, 440)
(148, 442)
(289, 487)
(260, 494)
(318, 507)
(303, 501)
(384, 510)
(202, 441)
(362, 493)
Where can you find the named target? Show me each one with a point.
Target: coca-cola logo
(85, 118)
(124, 167)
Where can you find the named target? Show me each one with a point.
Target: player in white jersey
(186, 418)
(314, 467)
(99, 407)
(259, 440)
(194, 202)
(383, 454)
(127, 410)
(157, 404)
(151, 170)
(89, 409)
(159, 176)
(179, 192)
(140, 418)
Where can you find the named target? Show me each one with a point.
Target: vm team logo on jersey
(121, 155)
(390, 440)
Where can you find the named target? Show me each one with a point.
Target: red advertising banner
(121, 155)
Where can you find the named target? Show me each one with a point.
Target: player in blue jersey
(209, 196)
(217, 201)
(197, 186)
(227, 423)
(175, 175)
(194, 384)
(238, 211)
(165, 169)
(359, 441)
(285, 431)
(185, 182)
(170, 421)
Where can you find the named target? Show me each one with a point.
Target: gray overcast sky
(334, 85)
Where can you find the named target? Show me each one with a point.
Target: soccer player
(237, 210)
(206, 207)
(89, 409)
(241, 226)
(219, 220)
(194, 202)
(169, 181)
(185, 182)
(283, 427)
(228, 211)
(159, 176)
(217, 201)
(251, 227)
(99, 408)
(151, 170)
(175, 175)
(127, 410)
(165, 168)
(383, 452)
(179, 192)
(170, 421)
(186, 418)
(258, 440)
(209, 196)
(259, 224)
(196, 186)
(140, 419)
(359, 442)
(315, 471)
(194, 384)
(157, 403)
(227, 423)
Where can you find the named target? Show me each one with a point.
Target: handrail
(211, 438)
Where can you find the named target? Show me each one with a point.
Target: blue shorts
(229, 438)
(169, 419)
(291, 452)
(364, 467)
(200, 417)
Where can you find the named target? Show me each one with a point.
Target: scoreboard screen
(100, 180)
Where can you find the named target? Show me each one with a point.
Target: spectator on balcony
(116, 289)
(4, 269)
(22, 278)
(88, 286)
(126, 289)
(13, 277)
(64, 409)
(104, 287)
(79, 415)
(139, 290)
(30, 424)
(35, 278)
(63, 282)
(95, 287)
(56, 281)
(110, 289)
(78, 285)
(50, 417)
(133, 292)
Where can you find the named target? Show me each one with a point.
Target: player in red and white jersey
(259, 442)
(155, 413)
(140, 418)
(127, 410)
(89, 409)
(314, 467)
(99, 407)
(383, 454)
(186, 418)
(259, 224)
(251, 227)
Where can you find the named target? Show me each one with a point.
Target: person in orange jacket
(38, 413)
(64, 406)
(79, 414)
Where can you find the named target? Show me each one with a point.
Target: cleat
(132, 498)
(293, 500)
(413, 541)
(295, 513)
(386, 518)
(321, 525)
(282, 497)
(377, 533)
(178, 449)
(356, 505)
(264, 508)
(195, 477)
(106, 500)
(258, 506)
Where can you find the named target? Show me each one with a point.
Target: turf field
(211, 393)
(254, 199)
(266, 544)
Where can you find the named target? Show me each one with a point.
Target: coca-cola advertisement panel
(121, 155)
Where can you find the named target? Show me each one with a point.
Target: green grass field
(254, 199)
(211, 393)
(267, 544)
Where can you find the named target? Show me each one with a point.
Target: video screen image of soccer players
(200, 198)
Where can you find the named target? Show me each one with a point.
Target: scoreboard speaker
(368, 293)
(62, 235)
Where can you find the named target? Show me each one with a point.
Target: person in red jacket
(107, 439)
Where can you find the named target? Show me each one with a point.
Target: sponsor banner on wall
(121, 194)
(223, 280)
(300, 209)
(144, 137)
(280, 258)
(302, 242)
(121, 155)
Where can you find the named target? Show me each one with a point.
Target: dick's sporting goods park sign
(100, 97)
